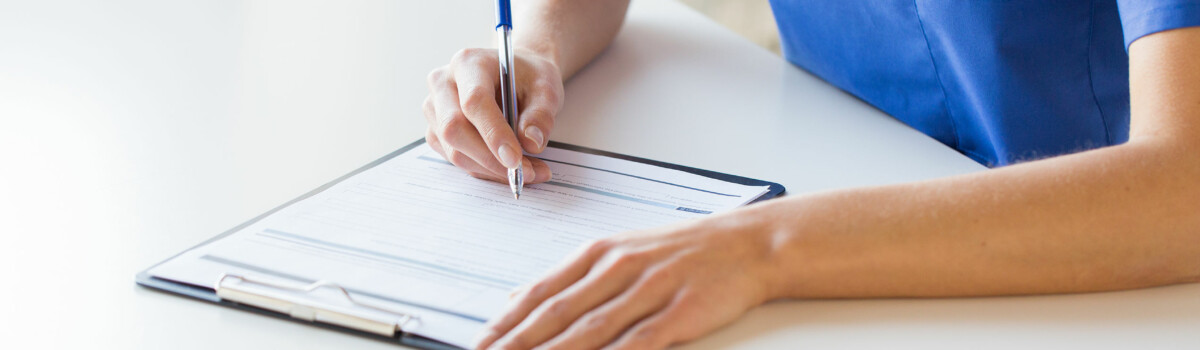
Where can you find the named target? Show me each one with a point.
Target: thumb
(537, 118)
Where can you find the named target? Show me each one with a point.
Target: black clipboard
(209, 294)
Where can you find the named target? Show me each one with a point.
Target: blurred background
(749, 18)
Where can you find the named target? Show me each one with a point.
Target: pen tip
(516, 180)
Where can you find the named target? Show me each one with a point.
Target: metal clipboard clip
(314, 313)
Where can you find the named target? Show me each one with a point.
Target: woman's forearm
(1117, 218)
(569, 33)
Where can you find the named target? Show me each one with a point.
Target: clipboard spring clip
(314, 313)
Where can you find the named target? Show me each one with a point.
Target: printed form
(420, 236)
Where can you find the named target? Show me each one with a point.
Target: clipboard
(227, 291)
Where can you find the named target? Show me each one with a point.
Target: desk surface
(131, 130)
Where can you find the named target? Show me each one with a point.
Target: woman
(1089, 110)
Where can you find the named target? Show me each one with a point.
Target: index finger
(577, 266)
(477, 95)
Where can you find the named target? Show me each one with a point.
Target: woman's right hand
(467, 127)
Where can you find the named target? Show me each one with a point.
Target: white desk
(131, 130)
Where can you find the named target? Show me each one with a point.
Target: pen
(508, 85)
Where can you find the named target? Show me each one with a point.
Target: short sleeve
(1144, 17)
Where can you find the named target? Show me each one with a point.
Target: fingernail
(508, 157)
(534, 133)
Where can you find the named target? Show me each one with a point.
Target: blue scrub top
(1001, 81)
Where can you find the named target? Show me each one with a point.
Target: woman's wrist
(774, 232)
(770, 231)
(543, 51)
(792, 230)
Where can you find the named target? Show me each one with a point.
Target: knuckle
(542, 114)
(660, 275)
(493, 136)
(549, 68)
(427, 105)
(460, 55)
(689, 299)
(628, 260)
(551, 100)
(453, 125)
(646, 334)
(649, 287)
(599, 246)
(596, 322)
(538, 290)
(558, 309)
(467, 55)
(545, 86)
(651, 284)
(454, 120)
(477, 96)
(458, 158)
(436, 75)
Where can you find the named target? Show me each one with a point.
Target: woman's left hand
(643, 289)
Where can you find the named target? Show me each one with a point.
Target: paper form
(419, 235)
